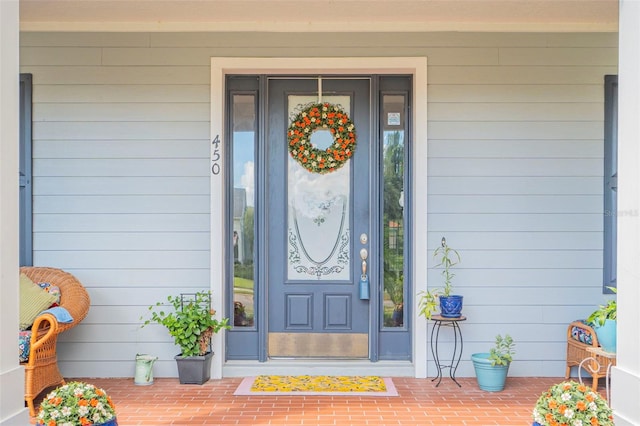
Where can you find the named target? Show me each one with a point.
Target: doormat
(317, 385)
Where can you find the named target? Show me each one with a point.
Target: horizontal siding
(121, 177)
(515, 185)
(121, 185)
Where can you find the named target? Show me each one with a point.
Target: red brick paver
(166, 402)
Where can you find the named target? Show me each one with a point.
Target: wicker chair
(577, 351)
(41, 370)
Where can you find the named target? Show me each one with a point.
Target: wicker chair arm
(44, 328)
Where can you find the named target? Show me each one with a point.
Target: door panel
(314, 308)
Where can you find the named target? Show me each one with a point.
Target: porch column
(626, 376)
(12, 410)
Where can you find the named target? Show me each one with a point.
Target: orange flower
(553, 404)
(594, 421)
(562, 409)
(51, 423)
(581, 406)
(83, 402)
(94, 402)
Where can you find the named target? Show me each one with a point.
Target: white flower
(566, 396)
(83, 410)
(537, 416)
(55, 414)
(324, 114)
(568, 414)
(66, 411)
(577, 423)
(96, 417)
(593, 406)
(313, 119)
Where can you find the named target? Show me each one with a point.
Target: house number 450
(215, 155)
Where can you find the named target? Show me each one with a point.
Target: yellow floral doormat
(317, 385)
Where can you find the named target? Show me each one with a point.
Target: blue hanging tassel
(364, 287)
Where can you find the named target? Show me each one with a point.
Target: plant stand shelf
(439, 321)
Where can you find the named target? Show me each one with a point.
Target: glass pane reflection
(243, 148)
(393, 209)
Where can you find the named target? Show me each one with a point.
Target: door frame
(415, 66)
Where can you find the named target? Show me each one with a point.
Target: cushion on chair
(582, 335)
(24, 344)
(51, 289)
(33, 300)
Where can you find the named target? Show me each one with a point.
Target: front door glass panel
(318, 216)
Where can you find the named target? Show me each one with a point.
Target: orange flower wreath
(321, 116)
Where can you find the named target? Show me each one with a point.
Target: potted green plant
(450, 304)
(77, 403)
(492, 367)
(192, 325)
(573, 403)
(604, 322)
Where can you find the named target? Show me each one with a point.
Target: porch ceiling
(318, 16)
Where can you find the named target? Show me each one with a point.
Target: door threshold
(342, 367)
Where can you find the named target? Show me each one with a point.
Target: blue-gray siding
(121, 183)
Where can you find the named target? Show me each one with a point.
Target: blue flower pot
(536, 424)
(607, 335)
(491, 378)
(451, 306)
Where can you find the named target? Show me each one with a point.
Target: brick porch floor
(167, 402)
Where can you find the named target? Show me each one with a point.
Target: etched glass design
(318, 218)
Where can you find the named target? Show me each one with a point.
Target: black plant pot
(194, 370)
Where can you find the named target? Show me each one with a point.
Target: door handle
(363, 255)
(364, 280)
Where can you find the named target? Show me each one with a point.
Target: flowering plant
(76, 404)
(572, 404)
(321, 116)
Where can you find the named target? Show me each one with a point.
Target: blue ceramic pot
(536, 424)
(491, 378)
(607, 335)
(451, 306)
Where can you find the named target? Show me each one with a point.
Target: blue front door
(318, 228)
